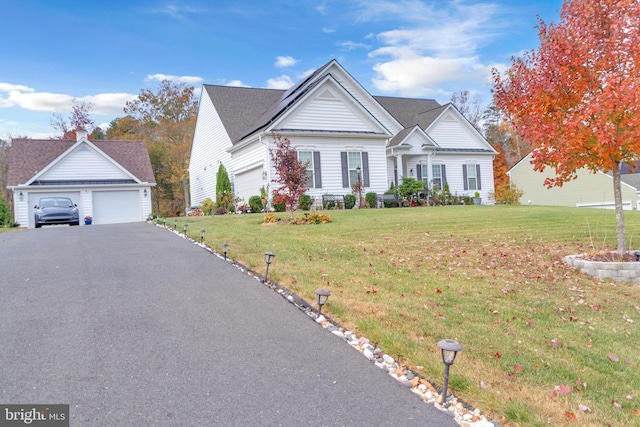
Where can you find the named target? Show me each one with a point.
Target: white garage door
(34, 198)
(248, 184)
(110, 207)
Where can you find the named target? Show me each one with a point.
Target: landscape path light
(175, 224)
(202, 236)
(224, 250)
(184, 227)
(450, 349)
(164, 222)
(322, 296)
(268, 258)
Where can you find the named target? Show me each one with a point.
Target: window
(314, 172)
(351, 160)
(471, 174)
(436, 176)
(307, 156)
(355, 162)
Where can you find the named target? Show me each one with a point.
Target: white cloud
(8, 87)
(29, 99)
(108, 103)
(349, 45)
(435, 46)
(190, 80)
(236, 83)
(285, 61)
(328, 30)
(417, 75)
(176, 12)
(281, 82)
(306, 73)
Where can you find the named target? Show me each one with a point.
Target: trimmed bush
(305, 202)
(349, 201)
(5, 214)
(372, 199)
(255, 204)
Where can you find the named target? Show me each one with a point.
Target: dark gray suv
(56, 210)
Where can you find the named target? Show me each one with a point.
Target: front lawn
(539, 338)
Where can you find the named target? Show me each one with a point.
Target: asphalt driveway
(133, 326)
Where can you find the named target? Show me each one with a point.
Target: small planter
(87, 220)
(477, 201)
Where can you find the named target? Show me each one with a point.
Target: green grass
(491, 278)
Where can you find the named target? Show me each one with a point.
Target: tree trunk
(617, 195)
(187, 202)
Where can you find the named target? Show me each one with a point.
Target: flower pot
(87, 222)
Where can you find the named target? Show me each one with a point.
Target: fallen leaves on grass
(584, 408)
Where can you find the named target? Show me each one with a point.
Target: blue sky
(105, 52)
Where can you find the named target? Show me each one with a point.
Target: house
(590, 190)
(108, 180)
(345, 133)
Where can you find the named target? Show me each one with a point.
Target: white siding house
(333, 122)
(108, 180)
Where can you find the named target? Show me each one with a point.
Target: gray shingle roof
(27, 157)
(411, 111)
(244, 111)
(240, 107)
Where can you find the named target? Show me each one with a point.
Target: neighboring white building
(333, 122)
(108, 180)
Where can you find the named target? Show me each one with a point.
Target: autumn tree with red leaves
(79, 119)
(291, 173)
(577, 98)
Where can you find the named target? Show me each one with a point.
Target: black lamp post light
(224, 250)
(359, 173)
(268, 258)
(450, 349)
(322, 296)
(184, 227)
(202, 236)
(164, 222)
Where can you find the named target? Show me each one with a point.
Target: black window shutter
(478, 176)
(419, 171)
(316, 169)
(365, 168)
(345, 170)
(443, 173)
(464, 177)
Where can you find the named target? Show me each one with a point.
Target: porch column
(400, 166)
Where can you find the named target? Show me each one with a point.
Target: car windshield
(60, 202)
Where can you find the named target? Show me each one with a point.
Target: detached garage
(109, 181)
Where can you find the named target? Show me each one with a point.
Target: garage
(110, 181)
(34, 198)
(110, 207)
(250, 180)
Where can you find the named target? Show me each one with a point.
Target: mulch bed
(609, 257)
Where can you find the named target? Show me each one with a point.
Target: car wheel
(38, 225)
